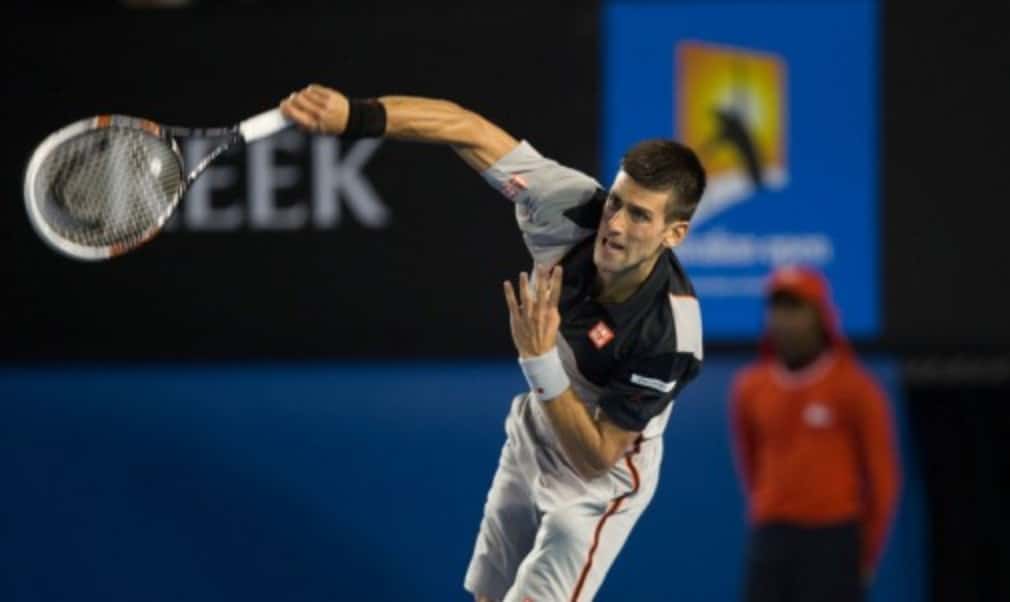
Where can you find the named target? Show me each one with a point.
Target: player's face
(633, 228)
(794, 327)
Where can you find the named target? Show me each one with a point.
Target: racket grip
(264, 125)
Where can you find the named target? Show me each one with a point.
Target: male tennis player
(608, 333)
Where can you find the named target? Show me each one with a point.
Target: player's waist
(530, 424)
(589, 393)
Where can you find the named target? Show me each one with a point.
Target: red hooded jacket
(816, 446)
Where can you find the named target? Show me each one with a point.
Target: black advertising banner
(298, 246)
(314, 247)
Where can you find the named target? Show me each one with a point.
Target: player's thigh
(510, 510)
(574, 549)
(507, 530)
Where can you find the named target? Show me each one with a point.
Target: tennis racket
(103, 186)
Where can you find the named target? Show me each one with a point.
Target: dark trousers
(788, 563)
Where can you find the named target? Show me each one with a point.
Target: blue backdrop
(331, 482)
(802, 76)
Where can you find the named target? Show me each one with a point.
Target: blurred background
(297, 391)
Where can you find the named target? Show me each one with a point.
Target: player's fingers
(307, 105)
(315, 111)
(320, 91)
(556, 284)
(298, 115)
(315, 97)
(525, 300)
(308, 100)
(292, 103)
(543, 289)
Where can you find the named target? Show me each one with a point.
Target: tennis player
(607, 329)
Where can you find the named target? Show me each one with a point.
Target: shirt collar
(640, 301)
(643, 299)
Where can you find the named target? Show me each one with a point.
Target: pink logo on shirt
(514, 186)
(600, 335)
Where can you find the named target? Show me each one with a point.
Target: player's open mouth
(611, 245)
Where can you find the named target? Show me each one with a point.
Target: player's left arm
(593, 444)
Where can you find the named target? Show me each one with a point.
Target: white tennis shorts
(548, 535)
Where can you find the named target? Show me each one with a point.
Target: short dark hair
(666, 164)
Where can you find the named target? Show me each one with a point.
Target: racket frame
(167, 133)
(254, 128)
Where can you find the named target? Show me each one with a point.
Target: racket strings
(108, 186)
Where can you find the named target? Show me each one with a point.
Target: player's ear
(674, 233)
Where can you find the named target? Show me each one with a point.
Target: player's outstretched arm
(592, 444)
(326, 111)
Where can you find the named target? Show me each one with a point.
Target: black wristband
(366, 118)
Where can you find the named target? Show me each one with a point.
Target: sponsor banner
(779, 101)
(297, 245)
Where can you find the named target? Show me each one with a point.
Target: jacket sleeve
(742, 433)
(881, 471)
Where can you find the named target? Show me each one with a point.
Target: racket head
(103, 186)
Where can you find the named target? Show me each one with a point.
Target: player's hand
(317, 109)
(533, 316)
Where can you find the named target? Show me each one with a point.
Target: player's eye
(639, 216)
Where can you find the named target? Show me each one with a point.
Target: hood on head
(811, 286)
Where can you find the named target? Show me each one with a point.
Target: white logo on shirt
(817, 415)
(653, 383)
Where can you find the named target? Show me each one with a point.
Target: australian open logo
(731, 108)
(731, 105)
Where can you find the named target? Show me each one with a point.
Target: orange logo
(731, 108)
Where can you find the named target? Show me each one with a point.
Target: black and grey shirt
(628, 360)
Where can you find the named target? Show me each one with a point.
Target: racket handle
(264, 125)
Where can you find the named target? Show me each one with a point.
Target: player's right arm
(556, 206)
(478, 141)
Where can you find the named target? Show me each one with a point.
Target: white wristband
(545, 374)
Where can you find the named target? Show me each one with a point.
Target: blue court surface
(332, 481)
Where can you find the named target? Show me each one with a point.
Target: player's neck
(618, 287)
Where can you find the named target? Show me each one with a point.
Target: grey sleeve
(543, 191)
